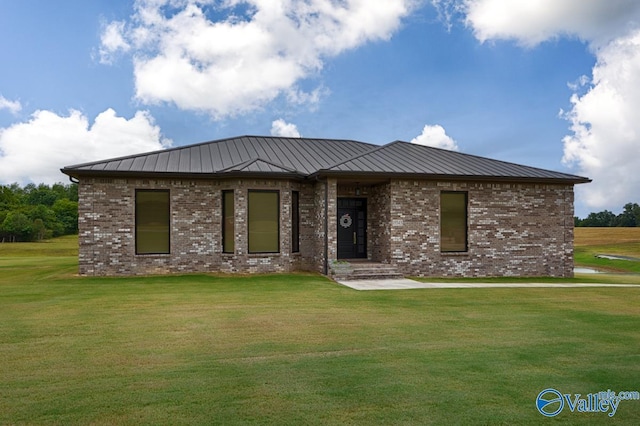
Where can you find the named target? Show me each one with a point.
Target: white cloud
(435, 136)
(258, 50)
(112, 41)
(34, 151)
(13, 106)
(605, 116)
(282, 128)
(605, 143)
(534, 21)
(579, 83)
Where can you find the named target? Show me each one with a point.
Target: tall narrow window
(453, 221)
(264, 221)
(295, 221)
(228, 220)
(152, 221)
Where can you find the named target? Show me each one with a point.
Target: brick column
(332, 220)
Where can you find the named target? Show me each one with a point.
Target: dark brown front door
(352, 228)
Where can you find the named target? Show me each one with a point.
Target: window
(453, 221)
(228, 221)
(295, 221)
(264, 221)
(152, 222)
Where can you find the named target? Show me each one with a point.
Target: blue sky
(544, 83)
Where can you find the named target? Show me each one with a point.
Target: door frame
(364, 241)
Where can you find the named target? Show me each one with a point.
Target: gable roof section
(305, 157)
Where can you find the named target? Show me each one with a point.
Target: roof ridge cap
(301, 138)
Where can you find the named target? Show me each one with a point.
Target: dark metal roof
(304, 157)
(403, 158)
(245, 153)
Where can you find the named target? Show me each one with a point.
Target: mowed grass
(590, 242)
(299, 349)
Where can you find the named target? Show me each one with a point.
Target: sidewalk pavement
(407, 284)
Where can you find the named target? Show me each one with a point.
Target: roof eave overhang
(79, 174)
(446, 177)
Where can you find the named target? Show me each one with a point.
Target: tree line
(33, 213)
(629, 217)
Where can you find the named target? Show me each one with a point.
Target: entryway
(352, 228)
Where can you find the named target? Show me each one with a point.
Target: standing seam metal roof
(306, 157)
(407, 158)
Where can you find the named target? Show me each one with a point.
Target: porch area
(359, 215)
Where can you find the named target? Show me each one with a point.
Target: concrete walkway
(407, 284)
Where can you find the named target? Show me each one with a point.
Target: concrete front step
(376, 276)
(360, 270)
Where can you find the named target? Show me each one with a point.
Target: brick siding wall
(514, 229)
(107, 228)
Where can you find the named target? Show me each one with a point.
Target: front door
(352, 228)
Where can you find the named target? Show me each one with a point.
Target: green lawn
(616, 241)
(586, 256)
(298, 349)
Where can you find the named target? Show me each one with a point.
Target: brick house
(271, 204)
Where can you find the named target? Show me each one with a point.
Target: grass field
(617, 241)
(298, 349)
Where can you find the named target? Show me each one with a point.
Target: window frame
(295, 221)
(277, 193)
(465, 194)
(137, 216)
(224, 224)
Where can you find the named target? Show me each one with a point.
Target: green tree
(17, 227)
(66, 212)
(10, 196)
(40, 232)
(603, 218)
(3, 216)
(630, 215)
(40, 195)
(48, 217)
(51, 211)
